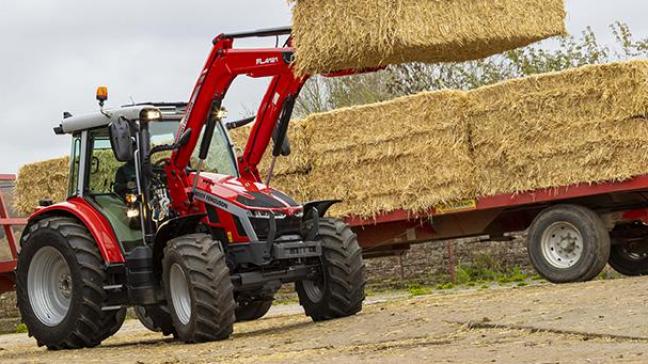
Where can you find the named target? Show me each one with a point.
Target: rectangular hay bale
(584, 125)
(408, 153)
(332, 35)
(298, 162)
(41, 180)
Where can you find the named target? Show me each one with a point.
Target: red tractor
(161, 215)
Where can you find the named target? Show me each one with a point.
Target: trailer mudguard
(95, 222)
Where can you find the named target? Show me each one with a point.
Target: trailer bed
(495, 215)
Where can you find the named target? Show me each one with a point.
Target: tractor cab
(112, 186)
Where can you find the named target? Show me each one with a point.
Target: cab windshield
(220, 158)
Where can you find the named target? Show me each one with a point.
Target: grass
(483, 273)
(21, 328)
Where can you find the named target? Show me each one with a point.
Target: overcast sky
(54, 54)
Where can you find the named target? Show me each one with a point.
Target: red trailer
(573, 231)
(7, 266)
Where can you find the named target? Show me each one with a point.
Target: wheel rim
(313, 290)
(49, 285)
(562, 245)
(180, 296)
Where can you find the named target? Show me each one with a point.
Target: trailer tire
(627, 262)
(340, 290)
(568, 243)
(60, 278)
(156, 318)
(198, 287)
(253, 310)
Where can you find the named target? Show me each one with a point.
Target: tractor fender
(171, 229)
(94, 221)
(321, 205)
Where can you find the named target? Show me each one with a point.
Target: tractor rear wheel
(198, 287)
(60, 279)
(339, 290)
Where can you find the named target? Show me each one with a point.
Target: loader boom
(223, 65)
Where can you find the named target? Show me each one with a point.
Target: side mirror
(121, 139)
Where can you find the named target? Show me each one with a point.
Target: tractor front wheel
(339, 290)
(198, 288)
(60, 279)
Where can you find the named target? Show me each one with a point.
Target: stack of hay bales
(585, 125)
(332, 35)
(41, 180)
(409, 153)
(578, 126)
(49, 180)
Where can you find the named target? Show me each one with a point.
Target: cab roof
(72, 124)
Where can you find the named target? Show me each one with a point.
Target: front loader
(163, 216)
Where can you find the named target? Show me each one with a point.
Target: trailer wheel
(568, 243)
(60, 278)
(156, 318)
(629, 259)
(198, 288)
(253, 310)
(339, 291)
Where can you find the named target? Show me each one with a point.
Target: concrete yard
(596, 322)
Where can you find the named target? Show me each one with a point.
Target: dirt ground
(595, 322)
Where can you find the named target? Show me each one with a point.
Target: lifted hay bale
(332, 35)
(579, 126)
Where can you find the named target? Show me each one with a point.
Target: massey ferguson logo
(269, 60)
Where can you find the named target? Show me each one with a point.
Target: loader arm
(223, 65)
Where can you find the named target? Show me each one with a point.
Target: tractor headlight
(132, 213)
(260, 214)
(150, 115)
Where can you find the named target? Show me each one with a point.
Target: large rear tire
(198, 288)
(60, 279)
(568, 243)
(339, 291)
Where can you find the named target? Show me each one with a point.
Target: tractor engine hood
(247, 194)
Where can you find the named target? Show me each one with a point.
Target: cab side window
(103, 165)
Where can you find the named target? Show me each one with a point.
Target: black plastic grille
(285, 226)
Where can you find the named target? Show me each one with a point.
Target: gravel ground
(595, 322)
